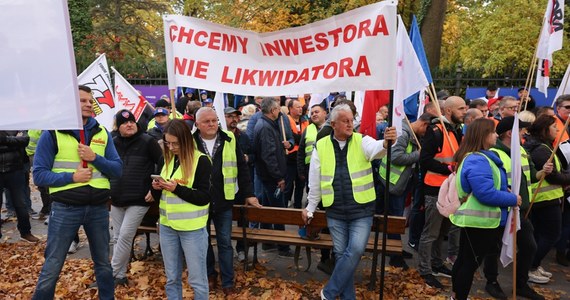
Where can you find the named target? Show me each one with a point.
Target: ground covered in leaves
(21, 264)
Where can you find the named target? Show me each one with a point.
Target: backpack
(448, 198)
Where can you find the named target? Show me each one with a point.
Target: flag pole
(548, 161)
(172, 105)
(515, 253)
(283, 130)
(532, 68)
(413, 133)
(440, 115)
(563, 88)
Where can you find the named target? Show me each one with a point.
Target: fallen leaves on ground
(21, 265)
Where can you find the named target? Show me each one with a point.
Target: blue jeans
(64, 221)
(15, 183)
(223, 224)
(349, 242)
(27, 199)
(193, 246)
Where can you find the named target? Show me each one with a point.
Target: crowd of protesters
(283, 152)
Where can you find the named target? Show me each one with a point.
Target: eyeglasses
(172, 144)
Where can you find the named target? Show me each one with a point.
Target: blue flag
(418, 45)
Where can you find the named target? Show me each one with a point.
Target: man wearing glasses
(562, 112)
(507, 108)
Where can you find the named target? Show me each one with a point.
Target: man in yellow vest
(341, 175)
(77, 172)
(229, 171)
(405, 159)
(435, 162)
(309, 138)
(525, 236)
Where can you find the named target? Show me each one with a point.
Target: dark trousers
(547, 222)
(15, 183)
(474, 245)
(526, 248)
(294, 181)
(273, 199)
(417, 216)
(562, 243)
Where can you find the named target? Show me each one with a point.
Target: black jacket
(141, 156)
(219, 202)
(12, 151)
(271, 161)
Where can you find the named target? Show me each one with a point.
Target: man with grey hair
(508, 106)
(471, 115)
(229, 170)
(271, 163)
(340, 175)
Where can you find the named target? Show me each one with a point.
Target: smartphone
(157, 177)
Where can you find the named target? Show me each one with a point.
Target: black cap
(230, 110)
(506, 124)
(162, 103)
(123, 116)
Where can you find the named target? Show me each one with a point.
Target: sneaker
(413, 246)
(241, 256)
(73, 247)
(432, 281)
(33, 214)
(536, 277)
(46, 222)
(527, 292)
(442, 271)
(38, 216)
(10, 214)
(323, 295)
(450, 260)
(543, 272)
(398, 261)
(326, 266)
(30, 238)
(495, 290)
(121, 281)
(286, 254)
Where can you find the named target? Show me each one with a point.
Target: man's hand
(281, 185)
(85, 153)
(286, 145)
(305, 216)
(148, 197)
(253, 202)
(548, 168)
(519, 200)
(390, 135)
(82, 174)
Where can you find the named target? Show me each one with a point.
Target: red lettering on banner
(190, 67)
(335, 33)
(229, 43)
(172, 35)
(307, 44)
(243, 42)
(363, 28)
(290, 47)
(349, 33)
(214, 42)
(322, 41)
(253, 77)
(380, 26)
(185, 34)
(197, 37)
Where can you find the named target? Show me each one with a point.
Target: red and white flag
(550, 40)
(507, 251)
(98, 78)
(127, 96)
(410, 77)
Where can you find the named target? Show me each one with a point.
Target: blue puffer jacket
(477, 178)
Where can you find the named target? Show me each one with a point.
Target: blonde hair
(179, 129)
(527, 116)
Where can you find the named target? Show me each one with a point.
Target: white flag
(564, 87)
(219, 105)
(359, 103)
(98, 78)
(550, 40)
(410, 77)
(516, 172)
(127, 96)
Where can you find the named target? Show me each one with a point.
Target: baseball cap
(161, 110)
(123, 116)
(202, 92)
(208, 100)
(230, 110)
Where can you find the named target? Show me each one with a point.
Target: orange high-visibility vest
(444, 156)
(303, 125)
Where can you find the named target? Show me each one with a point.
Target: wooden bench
(293, 217)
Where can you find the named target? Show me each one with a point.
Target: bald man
(471, 115)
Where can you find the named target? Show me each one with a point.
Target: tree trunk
(432, 31)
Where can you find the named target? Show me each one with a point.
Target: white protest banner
(127, 96)
(98, 78)
(38, 89)
(352, 51)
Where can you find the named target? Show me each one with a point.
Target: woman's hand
(548, 168)
(169, 185)
(519, 200)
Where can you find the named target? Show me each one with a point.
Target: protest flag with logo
(550, 40)
(97, 77)
(127, 96)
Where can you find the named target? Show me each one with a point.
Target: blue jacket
(477, 178)
(110, 165)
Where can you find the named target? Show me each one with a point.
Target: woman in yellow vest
(184, 206)
(482, 185)
(546, 213)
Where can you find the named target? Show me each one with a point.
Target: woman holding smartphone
(184, 206)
